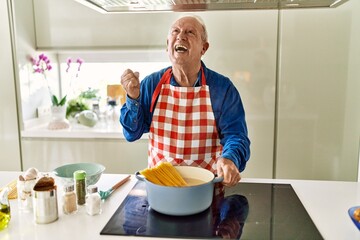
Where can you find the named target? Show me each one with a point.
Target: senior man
(194, 115)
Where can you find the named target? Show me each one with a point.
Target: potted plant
(42, 65)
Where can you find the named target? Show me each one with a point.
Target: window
(100, 69)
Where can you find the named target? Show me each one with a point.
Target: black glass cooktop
(246, 211)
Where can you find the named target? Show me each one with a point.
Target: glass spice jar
(80, 186)
(93, 201)
(69, 200)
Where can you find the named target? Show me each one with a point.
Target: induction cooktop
(246, 211)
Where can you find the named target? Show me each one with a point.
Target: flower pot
(58, 121)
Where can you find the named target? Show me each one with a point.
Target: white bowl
(65, 173)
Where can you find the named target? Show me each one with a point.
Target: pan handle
(218, 179)
(139, 176)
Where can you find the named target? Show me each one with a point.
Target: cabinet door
(246, 53)
(117, 155)
(319, 126)
(9, 132)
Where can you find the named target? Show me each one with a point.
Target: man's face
(184, 43)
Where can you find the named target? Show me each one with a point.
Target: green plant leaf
(54, 100)
(63, 101)
(89, 94)
(75, 106)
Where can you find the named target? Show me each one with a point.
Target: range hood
(118, 6)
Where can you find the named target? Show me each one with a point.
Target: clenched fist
(131, 83)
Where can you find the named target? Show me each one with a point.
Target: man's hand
(227, 169)
(131, 83)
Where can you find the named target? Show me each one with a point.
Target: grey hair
(204, 34)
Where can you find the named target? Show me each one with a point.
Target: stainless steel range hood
(118, 6)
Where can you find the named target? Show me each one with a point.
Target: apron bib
(183, 129)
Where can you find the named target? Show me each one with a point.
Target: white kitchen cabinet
(9, 129)
(117, 155)
(318, 111)
(86, 28)
(246, 53)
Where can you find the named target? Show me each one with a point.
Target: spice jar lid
(92, 189)
(79, 175)
(69, 188)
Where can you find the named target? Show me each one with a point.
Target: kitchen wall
(296, 71)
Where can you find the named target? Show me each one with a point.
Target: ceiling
(118, 6)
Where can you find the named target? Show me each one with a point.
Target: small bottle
(69, 200)
(111, 113)
(4, 208)
(93, 201)
(80, 186)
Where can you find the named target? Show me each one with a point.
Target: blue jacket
(226, 103)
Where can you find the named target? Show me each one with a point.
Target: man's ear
(205, 48)
(167, 44)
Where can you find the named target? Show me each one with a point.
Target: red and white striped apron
(183, 129)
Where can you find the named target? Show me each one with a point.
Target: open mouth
(180, 48)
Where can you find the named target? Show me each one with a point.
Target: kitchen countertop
(327, 203)
(75, 131)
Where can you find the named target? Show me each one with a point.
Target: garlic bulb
(31, 173)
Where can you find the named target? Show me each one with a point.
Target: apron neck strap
(166, 79)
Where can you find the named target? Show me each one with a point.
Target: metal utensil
(105, 194)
